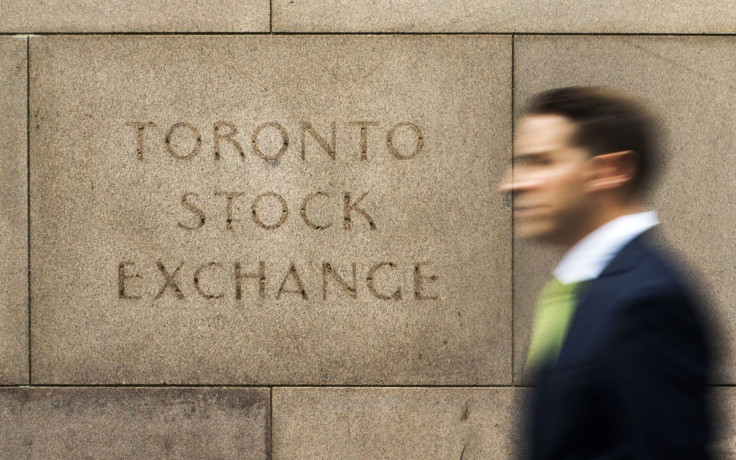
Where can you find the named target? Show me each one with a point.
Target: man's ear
(612, 170)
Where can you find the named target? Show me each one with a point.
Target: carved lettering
(284, 210)
(194, 210)
(198, 279)
(183, 140)
(122, 276)
(349, 207)
(418, 143)
(170, 281)
(260, 277)
(230, 196)
(379, 280)
(418, 278)
(303, 210)
(197, 140)
(306, 127)
(352, 290)
(228, 136)
(363, 125)
(284, 140)
(140, 127)
(371, 278)
(269, 210)
(275, 211)
(299, 289)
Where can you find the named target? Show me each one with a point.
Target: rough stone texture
(533, 264)
(13, 213)
(396, 423)
(688, 82)
(29, 16)
(118, 423)
(724, 447)
(587, 16)
(95, 205)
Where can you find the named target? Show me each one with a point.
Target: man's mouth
(524, 210)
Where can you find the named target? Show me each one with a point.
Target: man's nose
(506, 185)
(516, 181)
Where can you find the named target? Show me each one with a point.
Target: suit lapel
(594, 296)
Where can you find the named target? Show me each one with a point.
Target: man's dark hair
(606, 122)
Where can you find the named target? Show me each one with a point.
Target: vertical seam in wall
(270, 16)
(270, 425)
(28, 195)
(513, 260)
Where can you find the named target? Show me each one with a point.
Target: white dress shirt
(587, 259)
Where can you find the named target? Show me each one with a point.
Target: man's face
(549, 181)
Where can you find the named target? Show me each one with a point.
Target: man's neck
(606, 213)
(589, 256)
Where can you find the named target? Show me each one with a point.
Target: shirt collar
(589, 256)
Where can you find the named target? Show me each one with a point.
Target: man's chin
(539, 234)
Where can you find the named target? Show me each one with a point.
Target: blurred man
(618, 348)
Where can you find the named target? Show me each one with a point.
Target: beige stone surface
(13, 213)
(123, 423)
(31, 16)
(396, 423)
(586, 16)
(533, 264)
(724, 402)
(115, 212)
(688, 82)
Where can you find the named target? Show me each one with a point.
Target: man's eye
(533, 161)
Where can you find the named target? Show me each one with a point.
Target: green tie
(555, 308)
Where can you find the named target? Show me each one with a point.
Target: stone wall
(270, 229)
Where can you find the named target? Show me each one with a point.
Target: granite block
(38, 16)
(270, 209)
(397, 423)
(688, 83)
(13, 213)
(529, 16)
(123, 423)
(724, 403)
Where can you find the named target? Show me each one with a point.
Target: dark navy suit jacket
(630, 381)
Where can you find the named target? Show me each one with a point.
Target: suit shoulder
(659, 271)
(658, 291)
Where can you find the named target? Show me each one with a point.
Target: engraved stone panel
(73, 423)
(688, 82)
(396, 423)
(13, 213)
(134, 16)
(296, 210)
(583, 16)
